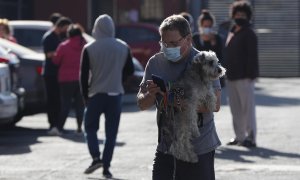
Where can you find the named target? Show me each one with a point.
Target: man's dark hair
(206, 15)
(241, 6)
(54, 17)
(188, 17)
(74, 30)
(62, 21)
(176, 22)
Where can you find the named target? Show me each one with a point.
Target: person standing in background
(54, 17)
(225, 26)
(5, 31)
(207, 39)
(241, 55)
(50, 41)
(67, 59)
(104, 63)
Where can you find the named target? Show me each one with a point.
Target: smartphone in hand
(159, 81)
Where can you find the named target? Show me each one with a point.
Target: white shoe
(54, 132)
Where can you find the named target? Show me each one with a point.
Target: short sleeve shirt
(170, 72)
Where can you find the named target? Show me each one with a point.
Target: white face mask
(172, 53)
(205, 31)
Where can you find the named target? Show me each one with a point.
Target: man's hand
(153, 89)
(147, 95)
(50, 55)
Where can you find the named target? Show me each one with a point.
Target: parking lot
(27, 152)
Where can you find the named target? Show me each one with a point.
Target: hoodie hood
(104, 27)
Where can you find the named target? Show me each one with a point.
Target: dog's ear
(200, 57)
(213, 55)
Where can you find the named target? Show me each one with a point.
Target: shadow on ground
(73, 136)
(240, 154)
(17, 140)
(127, 108)
(91, 178)
(264, 99)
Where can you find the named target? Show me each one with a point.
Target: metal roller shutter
(277, 25)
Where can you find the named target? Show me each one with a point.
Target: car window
(136, 34)
(29, 37)
(32, 38)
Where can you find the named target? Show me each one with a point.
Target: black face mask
(241, 22)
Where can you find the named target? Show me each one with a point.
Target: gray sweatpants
(242, 106)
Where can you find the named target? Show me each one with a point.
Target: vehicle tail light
(39, 70)
(3, 60)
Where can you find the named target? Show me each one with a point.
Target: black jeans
(166, 167)
(53, 100)
(70, 92)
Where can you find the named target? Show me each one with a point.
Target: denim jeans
(111, 107)
(166, 167)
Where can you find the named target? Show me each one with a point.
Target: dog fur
(198, 92)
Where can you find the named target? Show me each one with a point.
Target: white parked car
(29, 70)
(8, 100)
(29, 33)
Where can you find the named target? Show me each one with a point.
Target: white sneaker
(54, 132)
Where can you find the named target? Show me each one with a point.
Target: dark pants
(111, 107)
(166, 167)
(70, 92)
(53, 100)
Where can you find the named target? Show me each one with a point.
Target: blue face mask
(172, 53)
(205, 31)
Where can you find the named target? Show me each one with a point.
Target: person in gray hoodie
(104, 63)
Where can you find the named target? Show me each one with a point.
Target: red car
(142, 38)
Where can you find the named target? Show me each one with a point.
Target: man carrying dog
(175, 57)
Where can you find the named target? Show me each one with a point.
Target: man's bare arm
(146, 95)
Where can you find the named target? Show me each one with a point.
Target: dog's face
(206, 63)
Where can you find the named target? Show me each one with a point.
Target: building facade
(86, 11)
(277, 26)
(276, 22)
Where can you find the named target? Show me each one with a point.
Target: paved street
(27, 152)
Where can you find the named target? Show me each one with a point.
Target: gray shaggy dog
(196, 83)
